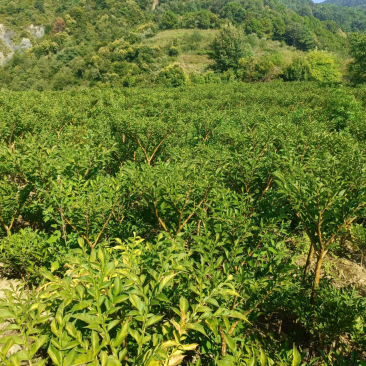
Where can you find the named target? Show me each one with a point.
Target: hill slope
(100, 41)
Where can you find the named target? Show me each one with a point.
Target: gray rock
(36, 31)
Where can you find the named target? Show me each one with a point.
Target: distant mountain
(349, 3)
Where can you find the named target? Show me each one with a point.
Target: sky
(318, 1)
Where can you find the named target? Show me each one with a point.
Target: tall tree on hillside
(357, 67)
(227, 49)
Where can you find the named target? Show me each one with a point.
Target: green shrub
(197, 79)
(26, 253)
(298, 70)
(173, 51)
(357, 67)
(315, 66)
(252, 69)
(172, 76)
(322, 67)
(227, 49)
(212, 78)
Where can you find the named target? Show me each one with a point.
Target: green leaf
(162, 297)
(252, 361)
(81, 360)
(117, 286)
(70, 327)
(90, 319)
(55, 266)
(121, 335)
(109, 268)
(6, 314)
(213, 325)
(60, 314)
(183, 304)
(120, 298)
(81, 305)
(112, 324)
(95, 343)
(296, 357)
(101, 256)
(113, 361)
(55, 355)
(203, 309)
(136, 302)
(154, 319)
(68, 361)
(8, 344)
(196, 326)
(263, 358)
(231, 343)
(103, 358)
(237, 315)
(39, 342)
(230, 292)
(49, 276)
(122, 354)
(165, 281)
(224, 363)
(135, 334)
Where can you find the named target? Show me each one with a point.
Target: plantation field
(166, 226)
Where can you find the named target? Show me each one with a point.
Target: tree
(300, 36)
(357, 68)
(39, 4)
(322, 67)
(59, 26)
(169, 21)
(234, 12)
(298, 70)
(227, 49)
(172, 76)
(316, 66)
(327, 194)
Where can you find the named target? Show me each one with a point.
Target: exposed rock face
(35, 31)
(5, 37)
(24, 44)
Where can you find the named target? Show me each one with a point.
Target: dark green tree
(227, 49)
(169, 21)
(300, 36)
(357, 67)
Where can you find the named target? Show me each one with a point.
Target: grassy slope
(193, 57)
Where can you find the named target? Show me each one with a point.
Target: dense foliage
(107, 42)
(164, 226)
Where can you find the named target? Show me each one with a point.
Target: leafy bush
(298, 70)
(227, 49)
(322, 67)
(315, 66)
(357, 67)
(26, 253)
(172, 76)
(173, 51)
(218, 184)
(142, 303)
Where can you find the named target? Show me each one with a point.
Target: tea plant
(207, 190)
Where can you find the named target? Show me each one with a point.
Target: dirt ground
(344, 272)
